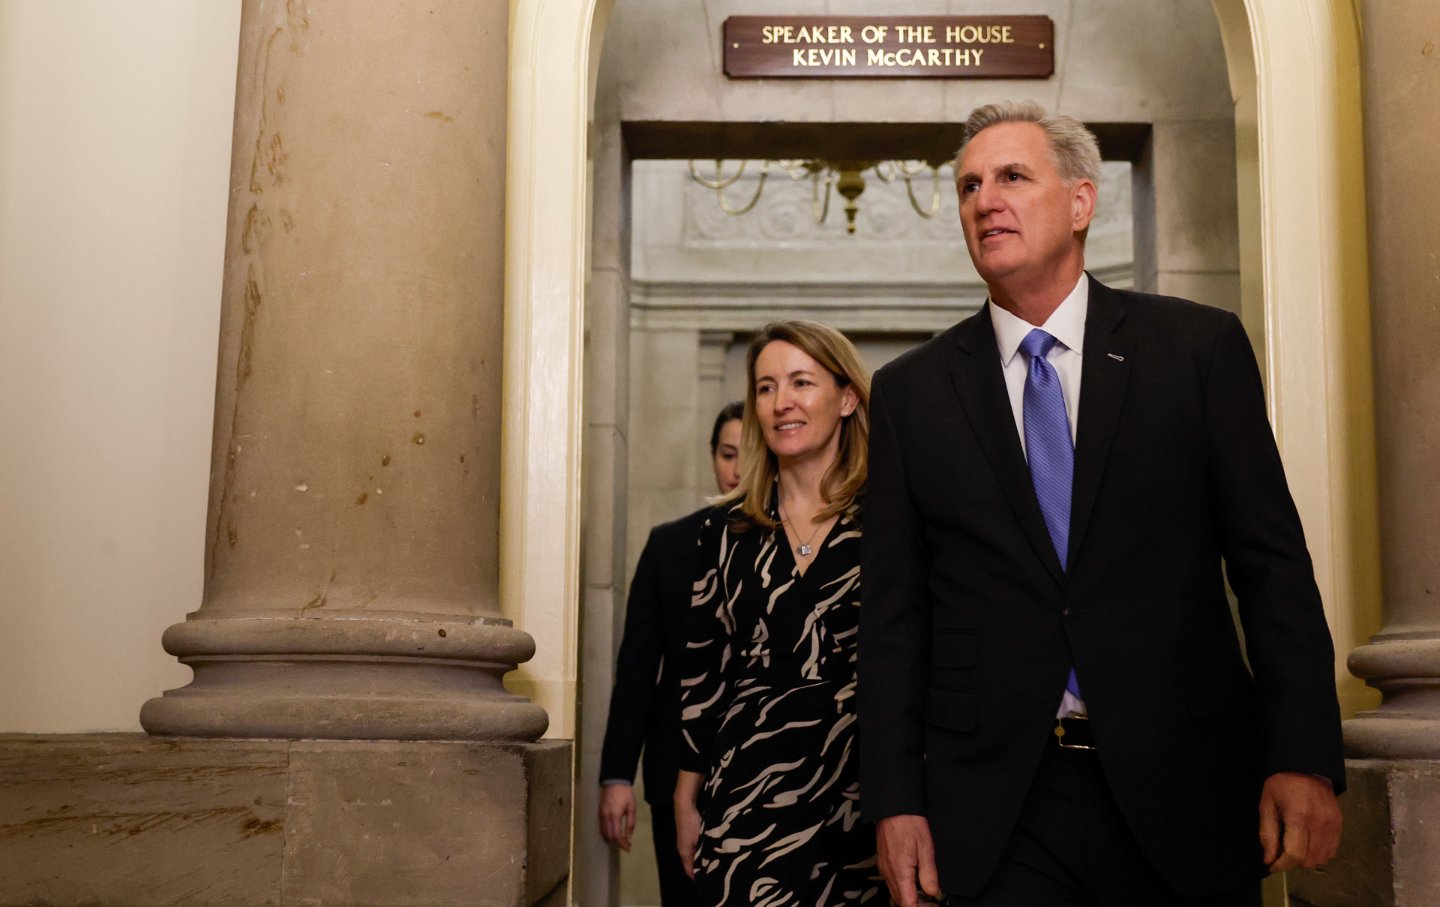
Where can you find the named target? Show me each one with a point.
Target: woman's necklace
(803, 549)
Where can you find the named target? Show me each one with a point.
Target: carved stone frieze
(682, 238)
(787, 209)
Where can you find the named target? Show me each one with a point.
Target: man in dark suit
(645, 701)
(1054, 704)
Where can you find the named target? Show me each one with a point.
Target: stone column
(351, 547)
(1402, 151)
(1387, 856)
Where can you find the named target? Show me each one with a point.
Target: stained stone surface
(1388, 850)
(126, 819)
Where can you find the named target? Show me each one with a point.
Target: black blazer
(969, 625)
(645, 702)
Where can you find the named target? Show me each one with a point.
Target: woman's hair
(732, 410)
(844, 479)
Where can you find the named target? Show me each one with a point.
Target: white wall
(115, 122)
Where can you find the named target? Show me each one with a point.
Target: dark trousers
(1072, 848)
(676, 888)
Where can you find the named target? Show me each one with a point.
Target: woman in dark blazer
(645, 702)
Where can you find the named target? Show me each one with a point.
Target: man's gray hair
(1073, 148)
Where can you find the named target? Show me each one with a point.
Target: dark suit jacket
(969, 625)
(645, 702)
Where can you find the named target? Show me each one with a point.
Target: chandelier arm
(934, 195)
(820, 207)
(750, 205)
(720, 182)
(816, 210)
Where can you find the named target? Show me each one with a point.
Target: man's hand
(1299, 821)
(617, 814)
(906, 853)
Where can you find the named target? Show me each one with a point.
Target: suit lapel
(975, 371)
(1104, 374)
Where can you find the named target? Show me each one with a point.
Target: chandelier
(845, 177)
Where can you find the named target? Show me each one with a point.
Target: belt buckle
(1060, 733)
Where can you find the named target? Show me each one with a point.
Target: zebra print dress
(768, 718)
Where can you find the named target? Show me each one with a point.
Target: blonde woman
(768, 683)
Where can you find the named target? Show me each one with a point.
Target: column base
(1405, 668)
(1388, 848)
(362, 678)
(126, 819)
(1382, 735)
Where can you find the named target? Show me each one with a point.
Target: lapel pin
(1116, 357)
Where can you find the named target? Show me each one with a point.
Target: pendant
(805, 550)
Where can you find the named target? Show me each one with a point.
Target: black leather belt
(1073, 733)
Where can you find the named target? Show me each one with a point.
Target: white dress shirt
(1067, 325)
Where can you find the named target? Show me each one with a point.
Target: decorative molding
(870, 307)
(748, 318)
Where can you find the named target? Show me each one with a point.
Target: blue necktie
(1049, 449)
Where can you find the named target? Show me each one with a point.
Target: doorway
(694, 282)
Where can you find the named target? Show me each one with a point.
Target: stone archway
(554, 51)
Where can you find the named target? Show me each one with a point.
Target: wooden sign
(889, 47)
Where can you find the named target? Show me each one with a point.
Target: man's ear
(1082, 205)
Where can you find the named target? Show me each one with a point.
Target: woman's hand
(617, 814)
(687, 819)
